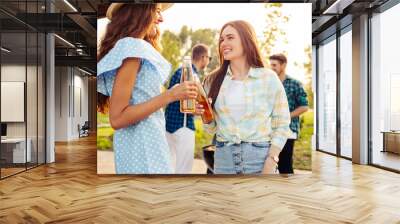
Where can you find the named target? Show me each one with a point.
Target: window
(23, 77)
(327, 96)
(346, 93)
(385, 85)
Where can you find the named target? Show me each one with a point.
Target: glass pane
(32, 83)
(327, 97)
(386, 89)
(22, 79)
(31, 97)
(346, 94)
(13, 84)
(41, 99)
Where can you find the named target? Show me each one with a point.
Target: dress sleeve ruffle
(129, 47)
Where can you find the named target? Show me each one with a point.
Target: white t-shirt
(293, 135)
(235, 99)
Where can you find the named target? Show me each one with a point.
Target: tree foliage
(273, 33)
(176, 46)
(308, 74)
(171, 46)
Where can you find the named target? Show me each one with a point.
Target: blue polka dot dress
(140, 148)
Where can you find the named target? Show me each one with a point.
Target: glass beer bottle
(207, 116)
(189, 105)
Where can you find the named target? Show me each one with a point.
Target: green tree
(308, 70)
(171, 46)
(185, 33)
(208, 37)
(306, 66)
(175, 46)
(273, 33)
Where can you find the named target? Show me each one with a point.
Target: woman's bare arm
(122, 114)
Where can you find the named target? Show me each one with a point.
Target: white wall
(11, 73)
(14, 73)
(61, 103)
(34, 123)
(71, 93)
(80, 100)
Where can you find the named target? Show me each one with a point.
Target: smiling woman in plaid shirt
(249, 104)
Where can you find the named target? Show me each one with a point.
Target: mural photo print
(223, 95)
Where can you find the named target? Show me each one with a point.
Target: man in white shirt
(180, 127)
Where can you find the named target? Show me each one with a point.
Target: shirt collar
(287, 77)
(253, 72)
(194, 68)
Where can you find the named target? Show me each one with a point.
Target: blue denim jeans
(243, 158)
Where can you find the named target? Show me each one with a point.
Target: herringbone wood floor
(70, 191)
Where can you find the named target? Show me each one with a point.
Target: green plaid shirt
(297, 97)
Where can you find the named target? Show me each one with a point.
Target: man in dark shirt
(298, 104)
(180, 126)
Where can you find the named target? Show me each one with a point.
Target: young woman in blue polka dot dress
(130, 73)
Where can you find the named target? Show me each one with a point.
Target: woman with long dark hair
(249, 103)
(130, 73)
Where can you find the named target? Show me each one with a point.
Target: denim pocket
(261, 144)
(254, 156)
(223, 160)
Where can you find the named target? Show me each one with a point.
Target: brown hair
(250, 47)
(131, 20)
(279, 57)
(198, 51)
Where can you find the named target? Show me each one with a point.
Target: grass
(302, 147)
(102, 119)
(104, 143)
(202, 138)
(104, 133)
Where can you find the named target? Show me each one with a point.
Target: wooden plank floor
(70, 191)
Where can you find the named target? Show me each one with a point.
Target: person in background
(298, 104)
(180, 126)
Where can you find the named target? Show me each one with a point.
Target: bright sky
(215, 15)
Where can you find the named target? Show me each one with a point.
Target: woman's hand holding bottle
(183, 91)
(200, 108)
(203, 106)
